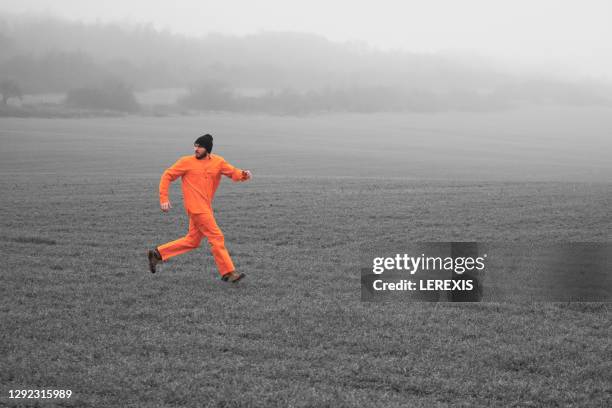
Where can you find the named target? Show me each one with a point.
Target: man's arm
(172, 173)
(235, 173)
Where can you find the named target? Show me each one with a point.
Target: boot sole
(226, 278)
(242, 275)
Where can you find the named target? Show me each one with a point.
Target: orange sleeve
(172, 173)
(231, 171)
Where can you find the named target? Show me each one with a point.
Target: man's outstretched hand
(246, 175)
(165, 207)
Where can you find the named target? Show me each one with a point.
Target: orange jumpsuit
(200, 179)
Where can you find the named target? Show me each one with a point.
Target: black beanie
(205, 141)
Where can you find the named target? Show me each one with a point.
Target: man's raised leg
(180, 246)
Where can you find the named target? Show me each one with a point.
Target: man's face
(199, 151)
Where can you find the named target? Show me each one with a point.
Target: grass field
(80, 311)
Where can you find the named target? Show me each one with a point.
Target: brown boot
(232, 277)
(154, 259)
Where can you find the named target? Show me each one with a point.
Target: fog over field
(99, 66)
(523, 145)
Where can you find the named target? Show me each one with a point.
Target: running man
(201, 174)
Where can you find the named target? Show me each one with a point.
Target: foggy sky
(556, 36)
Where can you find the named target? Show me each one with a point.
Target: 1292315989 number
(40, 394)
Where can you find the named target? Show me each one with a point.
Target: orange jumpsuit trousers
(200, 226)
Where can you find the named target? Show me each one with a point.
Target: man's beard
(202, 156)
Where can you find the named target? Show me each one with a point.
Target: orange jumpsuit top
(200, 179)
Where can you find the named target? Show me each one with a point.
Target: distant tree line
(298, 73)
(219, 96)
(113, 95)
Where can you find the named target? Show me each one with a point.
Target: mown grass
(85, 314)
(80, 311)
